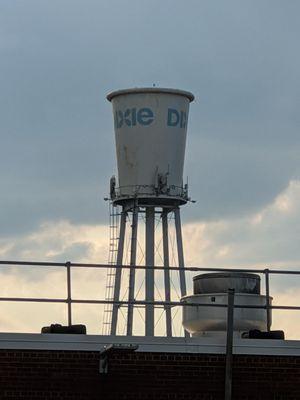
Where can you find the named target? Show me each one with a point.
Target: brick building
(56, 366)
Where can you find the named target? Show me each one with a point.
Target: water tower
(150, 132)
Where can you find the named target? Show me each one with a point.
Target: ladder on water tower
(111, 271)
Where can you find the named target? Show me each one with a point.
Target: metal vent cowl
(221, 282)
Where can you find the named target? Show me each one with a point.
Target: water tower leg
(133, 247)
(150, 213)
(180, 252)
(114, 319)
(166, 271)
(180, 256)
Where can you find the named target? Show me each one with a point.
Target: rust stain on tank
(127, 157)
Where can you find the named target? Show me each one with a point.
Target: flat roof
(201, 345)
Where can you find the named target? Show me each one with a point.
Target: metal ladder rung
(111, 274)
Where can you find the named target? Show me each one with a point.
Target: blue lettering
(133, 113)
(132, 116)
(127, 118)
(182, 119)
(145, 116)
(173, 117)
(118, 119)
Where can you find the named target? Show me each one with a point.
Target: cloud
(57, 146)
(264, 238)
(267, 238)
(241, 61)
(57, 241)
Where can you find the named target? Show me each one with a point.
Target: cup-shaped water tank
(150, 132)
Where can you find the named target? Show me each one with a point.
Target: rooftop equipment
(211, 289)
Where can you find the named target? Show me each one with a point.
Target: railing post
(268, 309)
(69, 295)
(229, 343)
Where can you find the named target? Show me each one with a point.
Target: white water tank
(150, 132)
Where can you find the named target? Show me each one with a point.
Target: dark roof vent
(72, 329)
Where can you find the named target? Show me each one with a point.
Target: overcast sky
(59, 59)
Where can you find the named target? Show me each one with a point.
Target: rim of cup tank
(184, 93)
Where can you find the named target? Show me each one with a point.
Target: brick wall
(28, 374)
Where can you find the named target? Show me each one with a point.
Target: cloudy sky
(59, 59)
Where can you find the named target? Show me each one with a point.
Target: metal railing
(149, 190)
(69, 300)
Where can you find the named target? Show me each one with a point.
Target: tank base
(202, 318)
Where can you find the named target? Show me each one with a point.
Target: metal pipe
(193, 269)
(34, 263)
(126, 266)
(114, 319)
(180, 252)
(229, 345)
(69, 293)
(149, 317)
(137, 303)
(180, 256)
(133, 248)
(33, 300)
(267, 281)
(164, 216)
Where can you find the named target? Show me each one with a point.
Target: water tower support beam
(150, 214)
(134, 228)
(180, 252)
(180, 256)
(164, 216)
(115, 309)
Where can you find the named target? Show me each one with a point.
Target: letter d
(118, 119)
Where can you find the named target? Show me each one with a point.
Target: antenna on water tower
(150, 132)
